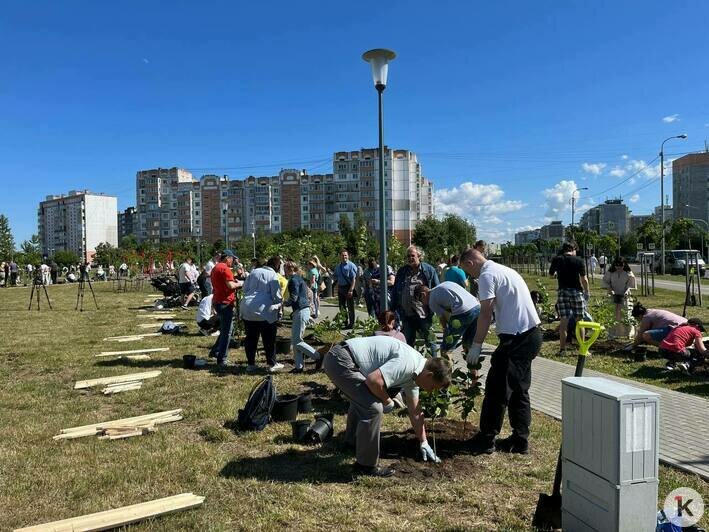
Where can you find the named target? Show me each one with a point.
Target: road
(676, 286)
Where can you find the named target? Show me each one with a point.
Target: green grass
(252, 480)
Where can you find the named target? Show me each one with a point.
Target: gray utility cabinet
(610, 439)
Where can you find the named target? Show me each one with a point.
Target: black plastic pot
(640, 355)
(285, 408)
(327, 415)
(300, 429)
(189, 361)
(282, 346)
(305, 403)
(319, 431)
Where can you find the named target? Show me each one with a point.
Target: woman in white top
(619, 280)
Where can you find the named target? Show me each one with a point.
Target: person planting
(369, 371)
(675, 346)
(655, 324)
(507, 384)
(457, 310)
(619, 280)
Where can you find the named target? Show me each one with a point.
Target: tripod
(36, 284)
(84, 278)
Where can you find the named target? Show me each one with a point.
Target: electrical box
(610, 438)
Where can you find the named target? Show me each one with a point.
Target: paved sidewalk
(684, 418)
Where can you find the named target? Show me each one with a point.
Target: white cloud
(495, 220)
(634, 198)
(624, 157)
(558, 198)
(642, 168)
(470, 199)
(617, 172)
(593, 168)
(670, 118)
(146, 61)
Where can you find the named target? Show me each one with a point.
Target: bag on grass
(169, 327)
(257, 412)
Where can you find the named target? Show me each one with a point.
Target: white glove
(388, 406)
(473, 355)
(428, 454)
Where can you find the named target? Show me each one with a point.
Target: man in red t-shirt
(674, 346)
(224, 287)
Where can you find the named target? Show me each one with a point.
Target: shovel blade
(547, 516)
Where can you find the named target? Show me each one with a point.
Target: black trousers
(346, 303)
(267, 332)
(507, 385)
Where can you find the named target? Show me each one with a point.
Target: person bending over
(675, 346)
(655, 324)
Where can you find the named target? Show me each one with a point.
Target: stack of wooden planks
(119, 383)
(121, 516)
(135, 354)
(122, 428)
(131, 337)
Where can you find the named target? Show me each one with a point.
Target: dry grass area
(250, 480)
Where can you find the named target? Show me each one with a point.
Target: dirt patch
(452, 446)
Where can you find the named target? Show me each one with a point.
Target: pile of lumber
(122, 428)
(121, 516)
(135, 354)
(122, 387)
(118, 380)
(153, 325)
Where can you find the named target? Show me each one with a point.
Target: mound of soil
(452, 446)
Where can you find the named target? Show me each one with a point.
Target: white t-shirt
(514, 310)
(209, 267)
(184, 272)
(204, 311)
(452, 298)
(602, 260)
(399, 363)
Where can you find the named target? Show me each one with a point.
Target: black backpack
(257, 412)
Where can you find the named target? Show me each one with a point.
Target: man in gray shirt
(368, 370)
(457, 310)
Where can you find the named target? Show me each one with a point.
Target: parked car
(676, 261)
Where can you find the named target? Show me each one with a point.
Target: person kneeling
(363, 369)
(675, 346)
(207, 318)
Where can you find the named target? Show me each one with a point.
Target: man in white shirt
(369, 371)
(186, 280)
(207, 318)
(457, 311)
(602, 263)
(507, 385)
(208, 271)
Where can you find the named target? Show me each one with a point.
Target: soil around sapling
(452, 446)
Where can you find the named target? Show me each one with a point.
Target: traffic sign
(651, 246)
(640, 246)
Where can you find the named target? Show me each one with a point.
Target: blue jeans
(316, 301)
(659, 334)
(413, 325)
(462, 326)
(300, 321)
(226, 323)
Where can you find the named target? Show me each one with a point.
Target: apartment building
(609, 217)
(690, 186)
(173, 205)
(127, 222)
(78, 222)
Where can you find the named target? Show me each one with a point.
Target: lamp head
(682, 136)
(379, 59)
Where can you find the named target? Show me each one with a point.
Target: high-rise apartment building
(610, 217)
(527, 237)
(173, 205)
(127, 222)
(690, 184)
(78, 222)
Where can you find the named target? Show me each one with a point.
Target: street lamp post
(573, 202)
(379, 59)
(225, 210)
(662, 199)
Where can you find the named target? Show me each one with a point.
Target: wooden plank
(121, 516)
(137, 335)
(157, 418)
(133, 352)
(117, 379)
(137, 357)
(156, 316)
(125, 387)
(153, 325)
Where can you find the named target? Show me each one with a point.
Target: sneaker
(251, 368)
(222, 364)
(371, 471)
(481, 445)
(184, 307)
(215, 333)
(684, 367)
(276, 367)
(512, 445)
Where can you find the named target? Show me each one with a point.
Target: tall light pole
(225, 211)
(662, 199)
(573, 202)
(379, 59)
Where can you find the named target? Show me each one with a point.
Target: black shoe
(481, 445)
(371, 471)
(318, 362)
(296, 370)
(512, 445)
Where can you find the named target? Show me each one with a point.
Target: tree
(128, 242)
(395, 252)
(649, 233)
(31, 251)
(7, 242)
(66, 258)
(441, 238)
(608, 245)
(106, 254)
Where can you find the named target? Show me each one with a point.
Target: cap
(696, 322)
(228, 253)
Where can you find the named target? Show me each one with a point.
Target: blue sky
(508, 104)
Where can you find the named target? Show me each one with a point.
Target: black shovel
(547, 516)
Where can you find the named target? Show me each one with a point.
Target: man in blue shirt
(346, 275)
(454, 274)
